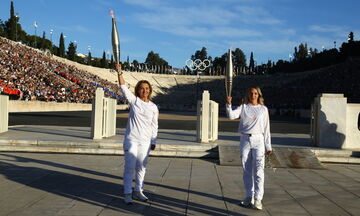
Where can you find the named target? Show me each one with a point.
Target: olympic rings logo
(197, 64)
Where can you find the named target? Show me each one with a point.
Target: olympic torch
(115, 41)
(229, 74)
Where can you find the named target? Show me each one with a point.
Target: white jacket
(142, 125)
(253, 120)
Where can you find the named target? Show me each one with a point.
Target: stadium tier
(29, 74)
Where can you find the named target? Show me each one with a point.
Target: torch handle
(119, 72)
(118, 68)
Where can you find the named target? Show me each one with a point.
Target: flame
(112, 13)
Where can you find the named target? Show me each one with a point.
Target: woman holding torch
(255, 142)
(142, 126)
(140, 136)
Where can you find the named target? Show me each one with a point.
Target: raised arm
(130, 97)
(119, 72)
(232, 114)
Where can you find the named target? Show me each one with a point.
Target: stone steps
(282, 157)
(292, 157)
(337, 156)
(111, 148)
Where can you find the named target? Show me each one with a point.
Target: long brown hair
(137, 87)
(246, 99)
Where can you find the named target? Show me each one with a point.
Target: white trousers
(136, 158)
(252, 152)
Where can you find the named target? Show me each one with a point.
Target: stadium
(65, 119)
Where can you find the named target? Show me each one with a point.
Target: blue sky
(177, 28)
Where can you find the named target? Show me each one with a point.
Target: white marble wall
(352, 130)
(103, 119)
(207, 119)
(335, 122)
(4, 113)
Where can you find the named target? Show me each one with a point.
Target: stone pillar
(330, 120)
(109, 117)
(352, 126)
(203, 118)
(214, 120)
(207, 119)
(4, 113)
(97, 114)
(103, 119)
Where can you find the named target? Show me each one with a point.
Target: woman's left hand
(153, 146)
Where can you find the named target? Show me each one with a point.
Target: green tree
(220, 62)
(301, 52)
(43, 41)
(112, 63)
(125, 65)
(239, 58)
(135, 64)
(103, 61)
(251, 63)
(200, 54)
(154, 59)
(89, 58)
(269, 65)
(351, 37)
(12, 23)
(79, 59)
(61, 51)
(2, 29)
(71, 53)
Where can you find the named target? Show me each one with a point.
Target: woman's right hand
(118, 67)
(228, 100)
(119, 72)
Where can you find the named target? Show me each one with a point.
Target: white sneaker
(140, 196)
(128, 199)
(257, 204)
(247, 202)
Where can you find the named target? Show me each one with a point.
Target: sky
(175, 29)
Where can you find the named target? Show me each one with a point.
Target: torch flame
(112, 13)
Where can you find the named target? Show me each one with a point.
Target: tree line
(303, 58)
(12, 30)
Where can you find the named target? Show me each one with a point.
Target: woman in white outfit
(255, 142)
(140, 136)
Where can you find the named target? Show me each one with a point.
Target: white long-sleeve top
(142, 125)
(254, 119)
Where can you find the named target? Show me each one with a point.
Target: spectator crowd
(28, 74)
